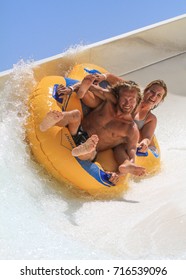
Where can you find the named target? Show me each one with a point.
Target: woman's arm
(147, 133)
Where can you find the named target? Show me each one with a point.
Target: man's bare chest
(115, 128)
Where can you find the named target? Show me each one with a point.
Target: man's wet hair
(127, 86)
(133, 83)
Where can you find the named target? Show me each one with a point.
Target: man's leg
(87, 150)
(61, 119)
(85, 84)
(125, 164)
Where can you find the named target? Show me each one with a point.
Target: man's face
(127, 100)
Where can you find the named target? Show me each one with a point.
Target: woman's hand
(143, 145)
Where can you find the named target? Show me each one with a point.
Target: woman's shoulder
(151, 117)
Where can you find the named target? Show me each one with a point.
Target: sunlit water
(41, 219)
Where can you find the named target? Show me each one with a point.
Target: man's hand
(62, 90)
(114, 177)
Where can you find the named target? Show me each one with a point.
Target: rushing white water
(40, 219)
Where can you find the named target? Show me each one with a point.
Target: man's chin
(127, 111)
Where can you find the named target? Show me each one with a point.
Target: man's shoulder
(109, 104)
(133, 130)
(130, 126)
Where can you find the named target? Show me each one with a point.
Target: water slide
(42, 219)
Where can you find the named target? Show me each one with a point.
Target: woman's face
(154, 95)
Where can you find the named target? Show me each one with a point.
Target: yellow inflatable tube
(151, 160)
(53, 148)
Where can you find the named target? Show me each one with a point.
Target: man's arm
(127, 151)
(103, 94)
(125, 155)
(132, 141)
(113, 79)
(109, 77)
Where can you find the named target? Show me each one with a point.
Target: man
(153, 94)
(110, 125)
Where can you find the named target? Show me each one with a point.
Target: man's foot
(132, 169)
(85, 84)
(86, 148)
(52, 118)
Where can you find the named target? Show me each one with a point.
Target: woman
(154, 93)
